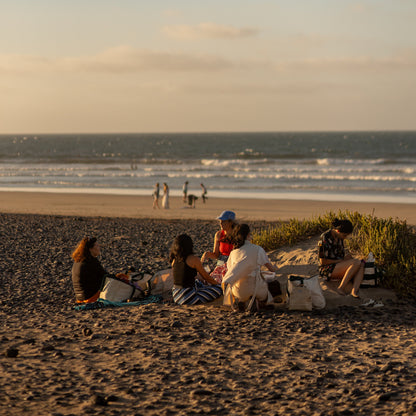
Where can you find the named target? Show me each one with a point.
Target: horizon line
(215, 132)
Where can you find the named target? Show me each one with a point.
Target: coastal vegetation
(392, 241)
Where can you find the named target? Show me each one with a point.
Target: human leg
(346, 270)
(197, 295)
(358, 278)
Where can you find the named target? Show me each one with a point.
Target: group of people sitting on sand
(239, 262)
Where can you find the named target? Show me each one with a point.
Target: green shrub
(393, 243)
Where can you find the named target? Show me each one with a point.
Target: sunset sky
(84, 66)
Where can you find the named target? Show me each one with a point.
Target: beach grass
(392, 241)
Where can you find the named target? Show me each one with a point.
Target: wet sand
(164, 359)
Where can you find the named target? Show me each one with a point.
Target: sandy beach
(164, 359)
(141, 207)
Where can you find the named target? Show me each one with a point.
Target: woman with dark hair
(185, 268)
(243, 280)
(334, 263)
(222, 245)
(87, 272)
(222, 240)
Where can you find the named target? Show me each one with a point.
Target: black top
(87, 278)
(183, 275)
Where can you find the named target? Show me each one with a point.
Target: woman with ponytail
(243, 279)
(335, 264)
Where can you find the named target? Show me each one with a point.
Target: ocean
(364, 166)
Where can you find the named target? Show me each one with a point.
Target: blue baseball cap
(226, 215)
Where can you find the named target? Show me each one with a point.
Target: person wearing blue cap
(222, 243)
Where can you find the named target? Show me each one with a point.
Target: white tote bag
(117, 291)
(311, 283)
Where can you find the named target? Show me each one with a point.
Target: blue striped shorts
(196, 295)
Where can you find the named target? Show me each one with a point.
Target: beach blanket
(103, 303)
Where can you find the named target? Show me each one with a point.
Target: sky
(101, 66)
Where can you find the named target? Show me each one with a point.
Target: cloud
(208, 31)
(260, 89)
(128, 60)
(123, 59)
(402, 61)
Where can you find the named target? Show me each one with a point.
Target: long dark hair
(182, 247)
(343, 226)
(239, 235)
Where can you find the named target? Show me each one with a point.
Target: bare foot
(355, 295)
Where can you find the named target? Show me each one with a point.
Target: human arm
(216, 251)
(263, 260)
(326, 262)
(330, 251)
(271, 267)
(88, 278)
(195, 263)
(93, 269)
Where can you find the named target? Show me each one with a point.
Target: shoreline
(364, 197)
(129, 206)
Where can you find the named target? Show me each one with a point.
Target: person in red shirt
(222, 242)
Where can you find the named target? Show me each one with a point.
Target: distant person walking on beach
(156, 194)
(188, 288)
(334, 263)
(204, 193)
(87, 272)
(165, 199)
(185, 191)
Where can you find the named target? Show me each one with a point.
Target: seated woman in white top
(243, 280)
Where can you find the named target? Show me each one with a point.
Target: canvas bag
(122, 288)
(305, 292)
(161, 282)
(116, 290)
(300, 298)
(370, 272)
